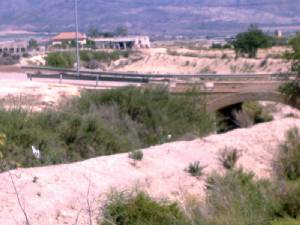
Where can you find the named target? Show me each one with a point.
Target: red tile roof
(68, 36)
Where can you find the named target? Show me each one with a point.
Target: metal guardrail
(97, 78)
(62, 73)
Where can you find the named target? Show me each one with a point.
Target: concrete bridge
(222, 94)
(221, 90)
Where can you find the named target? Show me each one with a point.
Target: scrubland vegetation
(108, 122)
(67, 59)
(99, 123)
(8, 59)
(234, 198)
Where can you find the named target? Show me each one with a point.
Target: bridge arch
(219, 103)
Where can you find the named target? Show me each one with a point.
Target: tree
(90, 44)
(292, 88)
(294, 55)
(93, 32)
(32, 44)
(121, 31)
(249, 42)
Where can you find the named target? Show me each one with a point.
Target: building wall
(60, 42)
(123, 42)
(13, 48)
(143, 42)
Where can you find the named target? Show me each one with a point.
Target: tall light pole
(77, 41)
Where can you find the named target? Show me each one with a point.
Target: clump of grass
(207, 70)
(195, 169)
(233, 68)
(228, 158)
(247, 68)
(140, 209)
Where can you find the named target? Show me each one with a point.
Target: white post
(77, 41)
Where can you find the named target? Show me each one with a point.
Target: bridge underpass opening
(248, 113)
(225, 120)
(230, 104)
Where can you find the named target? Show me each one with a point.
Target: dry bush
(239, 199)
(207, 70)
(247, 68)
(228, 158)
(233, 68)
(264, 63)
(287, 165)
(242, 119)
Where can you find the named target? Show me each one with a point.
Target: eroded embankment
(58, 194)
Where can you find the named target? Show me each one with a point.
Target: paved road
(18, 77)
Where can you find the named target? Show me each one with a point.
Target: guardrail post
(60, 78)
(97, 80)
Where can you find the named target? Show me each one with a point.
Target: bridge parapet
(217, 103)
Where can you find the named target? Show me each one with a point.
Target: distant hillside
(155, 16)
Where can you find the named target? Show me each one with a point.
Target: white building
(123, 42)
(13, 47)
(278, 33)
(68, 38)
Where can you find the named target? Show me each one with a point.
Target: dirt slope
(58, 194)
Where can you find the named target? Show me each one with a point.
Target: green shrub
(60, 59)
(291, 90)
(238, 199)
(136, 155)
(286, 221)
(256, 112)
(289, 193)
(294, 55)
(195, 169)
(67, 59)
(102, 56)
(156, 111)
(140, 209)
(287, 164)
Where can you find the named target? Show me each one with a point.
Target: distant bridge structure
(221, 90)
(221, 94)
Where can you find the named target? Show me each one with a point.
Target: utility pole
(77, 41)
